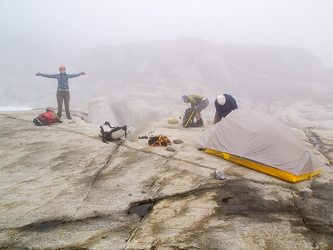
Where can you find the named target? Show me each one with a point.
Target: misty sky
(304, 24)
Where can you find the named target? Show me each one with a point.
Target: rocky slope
(63, 188)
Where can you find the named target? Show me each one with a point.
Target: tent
(261, 142)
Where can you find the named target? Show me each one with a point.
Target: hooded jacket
(230, 104)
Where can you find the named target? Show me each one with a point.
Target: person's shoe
(68, 117)
(199, 122)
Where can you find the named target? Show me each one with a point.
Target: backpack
(159, 140)
(111, 133)
(47, 118)
(188, 119)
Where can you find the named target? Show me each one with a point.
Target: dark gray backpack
(188, 119)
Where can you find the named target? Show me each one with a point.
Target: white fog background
(141, 56)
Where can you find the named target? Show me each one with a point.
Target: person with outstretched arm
(224, 104)
(63, 94)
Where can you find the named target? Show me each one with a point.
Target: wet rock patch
(141, 209)
(46, 225)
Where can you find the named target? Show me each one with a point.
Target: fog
(270, 55)
(300, 23)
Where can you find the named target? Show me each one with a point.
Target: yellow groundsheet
(262, 168)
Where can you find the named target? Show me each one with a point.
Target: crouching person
(199, 103)
(224, 104)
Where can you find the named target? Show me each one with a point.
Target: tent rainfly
(259, 141)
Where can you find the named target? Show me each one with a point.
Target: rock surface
(63, 188)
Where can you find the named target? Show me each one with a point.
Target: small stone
(170, 149)
(306, 192)
(219, 174)
(172, 120)
(177, 141)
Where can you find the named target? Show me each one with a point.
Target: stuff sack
(188, 119)
(107, 132)
(47, 118)
(159, 140)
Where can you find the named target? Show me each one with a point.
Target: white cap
(221, 99)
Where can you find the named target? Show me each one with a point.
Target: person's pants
(217, 117)
(63, 96)
(202, 105)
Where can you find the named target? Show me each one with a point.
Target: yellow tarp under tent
(261, 142)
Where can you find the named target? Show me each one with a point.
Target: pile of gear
(109, 132)
(156, 140)
(47, 118)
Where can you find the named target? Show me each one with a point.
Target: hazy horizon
(75, 24)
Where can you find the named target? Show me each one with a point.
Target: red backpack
(47, 118)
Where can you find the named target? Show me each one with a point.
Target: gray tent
(261, 142)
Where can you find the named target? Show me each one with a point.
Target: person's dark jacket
(62, 79)
(229, 105)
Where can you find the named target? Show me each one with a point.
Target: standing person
(224, 104)
(63, 94)
(199, 103)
